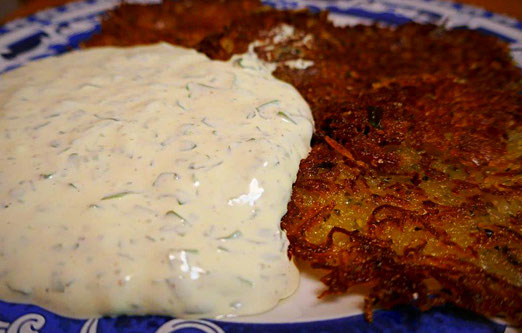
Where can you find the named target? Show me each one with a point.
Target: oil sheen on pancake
(147, 180)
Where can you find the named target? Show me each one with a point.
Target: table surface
(511, 8)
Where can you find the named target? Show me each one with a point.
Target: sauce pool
(147, 180)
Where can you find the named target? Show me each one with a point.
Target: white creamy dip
(147, 180)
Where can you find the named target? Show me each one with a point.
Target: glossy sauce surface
(147, 180)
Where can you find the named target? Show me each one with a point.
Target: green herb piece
(57, 247)
(41, 125)
(117, 195)
(18, 291)
(47, 175)
(264, 105)
(188, 146)
(178, 103)
(187, 87)
(263, 108)
(205, 85)
(193, 251)
(234, 235)
(106, 118)
(174, 175)
(245, 281)
(54, 115)
(251, 115)
(241, 63)
(205, 121)
(224, 249)
(172, 212)
(194, 166)
(286, 117)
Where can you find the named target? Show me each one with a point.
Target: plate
(59, 29)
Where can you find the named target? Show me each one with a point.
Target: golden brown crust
(183, 22)
(414, 182)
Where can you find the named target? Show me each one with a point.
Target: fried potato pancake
(420, 200)
(413, 186)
